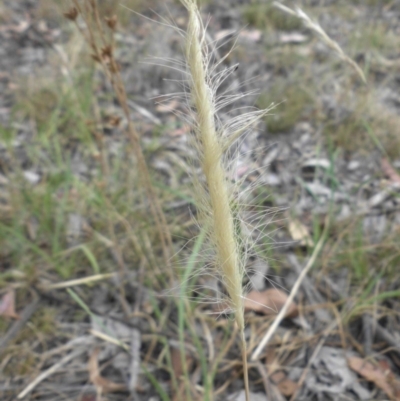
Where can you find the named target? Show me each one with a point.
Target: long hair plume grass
(212, 139)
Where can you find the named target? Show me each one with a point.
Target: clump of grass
(295, 101)
(373, 37)
(22, 362)
(368, 263)
(371, 3)
(384, 126)
(265, 16)
(55, 107)
(39, 104)
(363, 124)
(349, 134)
(285, 59)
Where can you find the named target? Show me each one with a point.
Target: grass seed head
(216, 195)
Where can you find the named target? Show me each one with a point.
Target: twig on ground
(26, 314)
(109, 339)
(79, 281)
(290, 299)
(47, 373)
(314, 297)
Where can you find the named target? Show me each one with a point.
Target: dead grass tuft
(364, 125)
(295, 100)
(373, 37)
(266, 16)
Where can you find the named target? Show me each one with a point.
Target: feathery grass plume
(212, 139)
(226, 244)
(316, 27)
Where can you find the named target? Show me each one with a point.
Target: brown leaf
(88, 397)
(7, 305)
(389, 171)
(269, 302)
(102, 384)
(71, 14)
(286, 386)
(95, 57)
(177, 366)
(176, 360)
(379, 374)
(270, 356)
(167, 107)
(299, 232)
(112, 22)
(107, 52)
(180, 131)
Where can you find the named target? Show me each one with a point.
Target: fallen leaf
(299, 232)
(7, 305)
(240, 172)
(294, 37)
(270, 356)
(253, 35)
(21, 27)
(177, 367)
(32, 177)
(88, 397)
(224, 33)
(317, 163)
(176, 361)
(286, 386)
(380, 374)
(102, 384)
(269, 302)
(389, 171)
(242, 396)
(113, 120)
(167, 107)
(32, 226)
(185, 129)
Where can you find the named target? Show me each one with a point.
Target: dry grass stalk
(103, 49)
(281, 315)
(315, 27)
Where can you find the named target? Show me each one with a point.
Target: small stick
(47, 373)
(79, 281)
(109, 339)
(289, 301)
